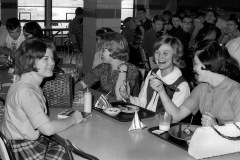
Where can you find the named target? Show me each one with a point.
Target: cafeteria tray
(167, 137)
(127, 117)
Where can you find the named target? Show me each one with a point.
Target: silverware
(180, 130)
(186, 130)
(172, 88)
(108, 95)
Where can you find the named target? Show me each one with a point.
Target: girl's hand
(208, 119)
(77, 116)
(155, 83)
(124, 90)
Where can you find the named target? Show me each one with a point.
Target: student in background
(14, 36)
(152, 35)
(129, 33)
(142, 18)
(211, 19)
(76, 29)
(197, 25)
(230, 32)
(167, 16)
(176, 25)
(32, 29)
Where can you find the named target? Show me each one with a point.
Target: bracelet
(121, 71)
(126, 100)
(166, 101)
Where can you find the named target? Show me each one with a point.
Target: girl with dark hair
(26, 123)
(167, 55)
(217, 96)
(114, 70)
(32, 29)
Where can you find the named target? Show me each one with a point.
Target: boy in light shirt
(15, 34)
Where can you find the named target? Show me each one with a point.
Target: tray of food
(174, 136)
(124, 112)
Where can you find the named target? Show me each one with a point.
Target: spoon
(186, 130)
(176, 90)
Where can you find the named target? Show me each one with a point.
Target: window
(62, 10)
(65, 9)
(31, 10)
(127, 9)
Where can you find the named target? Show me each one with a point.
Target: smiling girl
(26, 123)
(114, 70)
(217, 96)
(167, 55)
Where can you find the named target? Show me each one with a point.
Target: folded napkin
(158, 132)
(102, 102)
(136, 123)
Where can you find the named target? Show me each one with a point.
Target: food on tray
(112, 111)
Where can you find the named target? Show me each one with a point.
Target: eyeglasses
(187, 22)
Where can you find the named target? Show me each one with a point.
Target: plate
(173, 131)
(112, 111)
(129, 109)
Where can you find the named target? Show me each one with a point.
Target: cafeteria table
(109, 139)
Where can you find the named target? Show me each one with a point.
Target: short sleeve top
(25, 110)
(222, 101)
(108, 78)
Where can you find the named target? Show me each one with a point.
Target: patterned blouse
(108, 78)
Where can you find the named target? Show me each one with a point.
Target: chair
(61, 36)
(71, 148)
(71, 48)
(5, 148)
(145, 59)
(7, 153)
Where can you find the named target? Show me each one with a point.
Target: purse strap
(227, 137)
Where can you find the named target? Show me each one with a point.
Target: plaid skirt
(42, 148)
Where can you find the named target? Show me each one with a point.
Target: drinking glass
(164, 121)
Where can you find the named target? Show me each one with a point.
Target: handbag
(58, 91)
(213, 141)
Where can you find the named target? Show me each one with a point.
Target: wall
(8, 9)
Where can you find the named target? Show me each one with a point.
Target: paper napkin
(158, 132)
(102, 102)
(136, 123)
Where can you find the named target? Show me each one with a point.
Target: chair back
(55, 24)
(71, 148)
(5, 148)
(144, 58)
